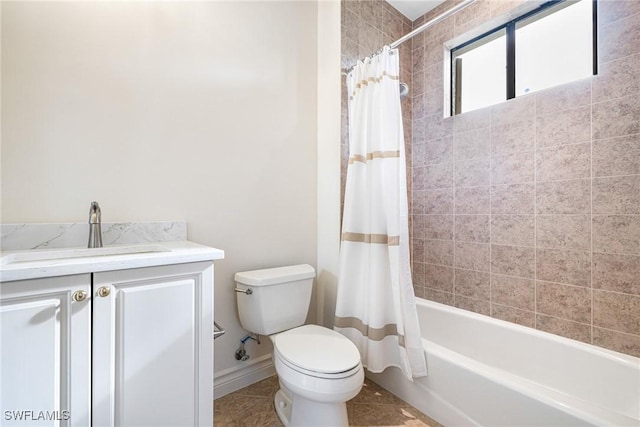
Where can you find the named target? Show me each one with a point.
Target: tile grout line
(490, 212)
(591, 219)
(453, 184)
(535, 214)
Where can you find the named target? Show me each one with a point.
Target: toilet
(318, 368)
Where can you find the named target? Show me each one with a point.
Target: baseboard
(240, 376)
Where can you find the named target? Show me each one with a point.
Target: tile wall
(529, 210)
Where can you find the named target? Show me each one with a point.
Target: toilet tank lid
(270, 276)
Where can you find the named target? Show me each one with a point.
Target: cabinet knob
(79, 296)
(104, 291)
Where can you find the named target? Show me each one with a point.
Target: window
(551, 45)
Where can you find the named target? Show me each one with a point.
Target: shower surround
(528, 210)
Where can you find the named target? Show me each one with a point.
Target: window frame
(510, 28)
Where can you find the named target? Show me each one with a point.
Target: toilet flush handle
(247, 291)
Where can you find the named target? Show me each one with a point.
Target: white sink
(70, 253)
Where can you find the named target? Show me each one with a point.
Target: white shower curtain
(375, 304)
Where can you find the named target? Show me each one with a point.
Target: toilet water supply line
(241, 353)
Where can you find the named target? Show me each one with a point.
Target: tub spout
(95, 230)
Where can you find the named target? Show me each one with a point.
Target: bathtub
(484, 371)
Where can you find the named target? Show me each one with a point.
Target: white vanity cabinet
(129, 342)
(45, 347)
(153, 346)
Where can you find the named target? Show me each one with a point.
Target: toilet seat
(317, 351)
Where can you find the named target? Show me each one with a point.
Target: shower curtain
(375, 304)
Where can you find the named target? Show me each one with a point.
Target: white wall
(329, 125)
(203, 111)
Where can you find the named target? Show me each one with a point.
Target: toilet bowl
(318, 368)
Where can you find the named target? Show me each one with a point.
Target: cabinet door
(45, 347)
(153, 346)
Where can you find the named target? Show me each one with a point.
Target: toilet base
(296, 411)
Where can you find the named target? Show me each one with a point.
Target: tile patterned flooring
(252, 406)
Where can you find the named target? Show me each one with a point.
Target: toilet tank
(279, 298)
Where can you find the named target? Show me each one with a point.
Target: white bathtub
(484, 371)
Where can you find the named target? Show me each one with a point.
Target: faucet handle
(94, 213)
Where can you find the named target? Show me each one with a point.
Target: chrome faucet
(95, 230)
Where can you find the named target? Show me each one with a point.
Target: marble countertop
(39, 263)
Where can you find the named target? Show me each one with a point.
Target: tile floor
(252, 406)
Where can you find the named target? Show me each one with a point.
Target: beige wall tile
(433, 52)
(438, 277)
(472, 173)
(472, 228)
(438, 150)
(441, 31)
(471, 120)
(417, 274)
(564, 197)
(417, 202)
(616, 156)
(618, 273)
(369, 40)
(618, 234)
(438, 227)
(417, 129)
(433, 78)
(617, 79)
(513, 137)
(616, 195)
(472, 256)
(438, 127)
(619, 39)
(611, 11)
(418, 154)
(563, 97)
(434, 101)
(513, 199)
(439, 296)
(565, 127)
(569, 232)
(618, 117)
(514, 168)
(563, 162)
(417, 86)
(439, 175)
(503, 7)
(514, 230)
(473, 200)
(564, 301)
(513, 315)
(567, 267)
(438, 201)
(513, 261)
(474, 284)
(417, 110)
(471, 304)
(417, 178)
(617, 341)
(417, 250)
(417, 56)
(438, 252)
(620, 312)
(564, 328)
(513, 110)
(471, 16)
(472, 144)
(513, 292)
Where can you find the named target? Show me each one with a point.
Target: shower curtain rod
(422, 27)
